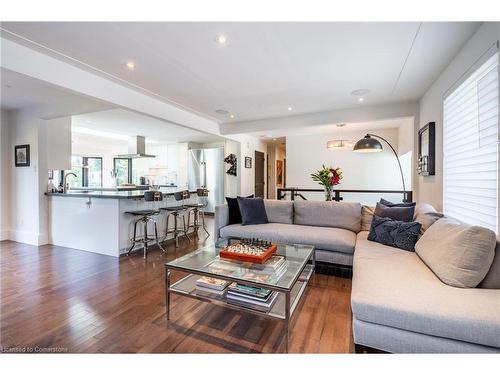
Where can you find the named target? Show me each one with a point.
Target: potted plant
(328, 178)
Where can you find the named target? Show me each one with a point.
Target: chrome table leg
(167, 292)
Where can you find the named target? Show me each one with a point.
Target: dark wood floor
(83, 302)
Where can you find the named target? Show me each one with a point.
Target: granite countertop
(130, 194)
(122, 188)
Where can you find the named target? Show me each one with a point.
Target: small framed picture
(248, 162)
(22, 155)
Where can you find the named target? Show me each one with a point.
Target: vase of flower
(328, 193)
(328, 178)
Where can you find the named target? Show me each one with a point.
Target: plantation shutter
(470, 147)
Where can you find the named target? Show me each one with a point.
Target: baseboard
(4, 235)
(30, 238)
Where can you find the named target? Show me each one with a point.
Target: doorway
(259, 174)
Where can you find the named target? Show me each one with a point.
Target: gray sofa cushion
(333, 239)
(459, 254)
(279, 211)
(328, 214)
(492, 279)
(396, 289)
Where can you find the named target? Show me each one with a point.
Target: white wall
(306, 154)
(243, 145)
(430, 189)
(232, 184)
(28, 221)
(6, 160)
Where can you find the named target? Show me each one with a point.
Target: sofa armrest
(221, 219)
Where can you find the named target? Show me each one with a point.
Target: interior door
(259, 174)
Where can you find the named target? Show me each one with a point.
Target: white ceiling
(264, 68)
(116, 123)
(19, 91)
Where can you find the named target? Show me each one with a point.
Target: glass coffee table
(289, 282)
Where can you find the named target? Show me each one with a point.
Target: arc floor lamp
(370, 144)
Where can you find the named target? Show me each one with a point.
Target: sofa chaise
(398, 304)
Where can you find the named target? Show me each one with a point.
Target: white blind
(470, 148)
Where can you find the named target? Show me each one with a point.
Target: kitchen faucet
(65, 186)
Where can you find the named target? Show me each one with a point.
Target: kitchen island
(95, 220)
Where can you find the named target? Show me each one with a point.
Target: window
(470, 147)
(76, 168)
(123, 170)
(92, 172)
(88, 171)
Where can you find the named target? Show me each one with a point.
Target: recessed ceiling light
(361, 100)
(360, 92)
(275, 139)
(130, 65)
(290, 108)
(221, 111)
(232, 116)
(221, 39)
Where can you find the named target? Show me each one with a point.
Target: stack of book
(211, 287)
(260, 299)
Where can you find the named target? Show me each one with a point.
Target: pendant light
(339, 144)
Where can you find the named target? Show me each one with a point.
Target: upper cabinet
(59, 143)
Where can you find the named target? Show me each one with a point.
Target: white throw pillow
(459, 254)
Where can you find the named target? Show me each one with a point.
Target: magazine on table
(251, 293)
(211, 283)
(255, 305)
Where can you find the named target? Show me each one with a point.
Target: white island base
(100, 225)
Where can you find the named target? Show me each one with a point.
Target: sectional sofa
(399, 305)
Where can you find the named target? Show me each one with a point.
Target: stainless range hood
(136, 148)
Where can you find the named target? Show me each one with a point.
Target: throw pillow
(426, 215)
(459, 254)
(394, 233)
(234, 210)
(397, 213)
(367, 217)
(390, 204)
(253, 211)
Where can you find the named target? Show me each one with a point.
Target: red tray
(224, 253)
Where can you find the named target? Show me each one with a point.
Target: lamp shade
(367, 144)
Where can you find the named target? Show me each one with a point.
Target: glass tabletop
(207, 260)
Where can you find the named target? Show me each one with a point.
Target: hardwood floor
(75, 301)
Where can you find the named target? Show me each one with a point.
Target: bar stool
(197, 208)
(144, 217)
(178, 212)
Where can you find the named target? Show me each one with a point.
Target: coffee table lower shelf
(286, 298)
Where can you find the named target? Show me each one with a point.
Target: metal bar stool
(178, 212)
(145, 216)
(197, 209)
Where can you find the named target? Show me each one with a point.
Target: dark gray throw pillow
(394, 233)
(252, 211)
(396, 213)
(234, 210)
(390, 204)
